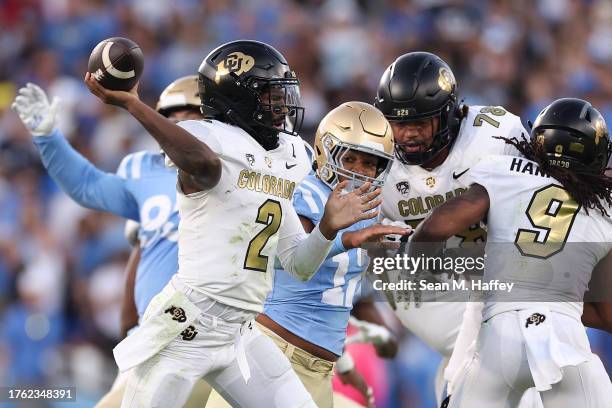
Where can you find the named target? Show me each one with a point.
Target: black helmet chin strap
(264, 136)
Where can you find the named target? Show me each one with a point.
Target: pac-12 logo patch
(251, 159)
(403, 187)
(236, 62)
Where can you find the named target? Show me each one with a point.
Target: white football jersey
(411, 192)
(539, 238)
(228, 235)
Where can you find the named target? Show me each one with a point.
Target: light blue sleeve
(82, 181)
(309, 203)
(338, 247)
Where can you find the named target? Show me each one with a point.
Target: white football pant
(166, 379)
(500, 373)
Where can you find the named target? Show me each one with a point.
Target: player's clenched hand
(373, 233)
(35, 111)
(344, 209)
(117, 98)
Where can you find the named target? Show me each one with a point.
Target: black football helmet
(574, 136)
(249, 84)
(420, 85)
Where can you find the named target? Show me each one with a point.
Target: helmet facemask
(266, 107)
(279, 106)
(441, 139)
(277, 109)
(336, 150)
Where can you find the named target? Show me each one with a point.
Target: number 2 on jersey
(270, 214)
(553, 210)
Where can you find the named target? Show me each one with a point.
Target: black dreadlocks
(588, 189)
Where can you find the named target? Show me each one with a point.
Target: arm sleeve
(308, 203)
(299, 253)
(337, 246)
(82, 181)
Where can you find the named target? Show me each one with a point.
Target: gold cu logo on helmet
(235, 62)
(600, 130)
(446, 80)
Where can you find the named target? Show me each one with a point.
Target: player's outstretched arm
(76, 176)
(346, 240)
(302, 254)
(454, 216)
(186, 151)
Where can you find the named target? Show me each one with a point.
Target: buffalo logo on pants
(535, 318)
(177, 313)
(189, 333)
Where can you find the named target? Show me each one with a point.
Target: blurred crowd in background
(61, 266)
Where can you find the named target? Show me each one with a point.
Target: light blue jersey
(318, 310)
(143, 190)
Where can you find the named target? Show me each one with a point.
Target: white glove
(345, 363)
(34, 110)
(368, 333)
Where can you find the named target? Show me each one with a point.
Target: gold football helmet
(353, 126)
(179, 94)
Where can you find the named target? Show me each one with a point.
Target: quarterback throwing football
(236, 178)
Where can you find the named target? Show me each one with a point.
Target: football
(116, 63)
